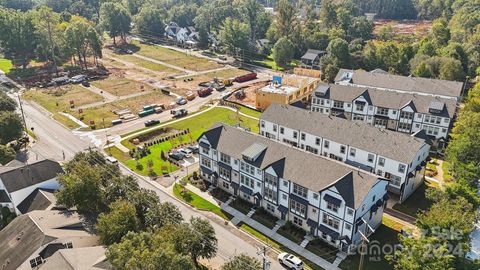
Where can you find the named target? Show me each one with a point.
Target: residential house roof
(386, 143)
(401, 83)
(21, 177)
(78, 259)
(39, 199)
(312, 54)
(4, 197)
(388, 99)
(303, 168)
(27, 233)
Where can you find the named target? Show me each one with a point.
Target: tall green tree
(235, 35)
(283, 51)
(11, 127)
(115, 19)
(83, 40)
(17, 36)
(338, 50)
(120, 220)
(183, 14)
(149, 251)
(285, 22)
(149, 22)
(163, 214)
(50, 35)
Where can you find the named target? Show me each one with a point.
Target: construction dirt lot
(249, 98)
(405, 27)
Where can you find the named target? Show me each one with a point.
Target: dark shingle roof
(37, 200)
(312, 54)
(403, 83)
(390, 144)
(390, 99)
(4, 197)
(25, 176)
(311, 171)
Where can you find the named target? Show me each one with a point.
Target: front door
(283, 216)
(312, 230)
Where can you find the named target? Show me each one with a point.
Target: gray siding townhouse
(382, 80)
(398, 111)
(391, 155)
(328, 199)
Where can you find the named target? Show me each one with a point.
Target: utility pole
(363, 244)
(21, 110)
(263, 252)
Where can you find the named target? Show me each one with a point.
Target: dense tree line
(45, 35)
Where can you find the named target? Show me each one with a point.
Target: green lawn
(5, 65)
(270, 63)
(197, 125)
(198, 202)
(249, 111)
(415, 203)
(383, 236)
(176, 58)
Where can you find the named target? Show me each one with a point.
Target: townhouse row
(327, 198)
(397, 111)
(395, 156)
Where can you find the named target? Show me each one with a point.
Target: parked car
(86, 83)
(78, 79)
(290, 261)
(222, 57)
(181, 101)
(187, 152)
(152, 122)
(178, 113)
(111, 160)
(204, 92)
(194, 148)
(177, 156)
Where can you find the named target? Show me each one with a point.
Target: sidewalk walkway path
(278, 238)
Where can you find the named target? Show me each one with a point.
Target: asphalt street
(54, 141)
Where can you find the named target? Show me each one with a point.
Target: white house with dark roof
(18, 183)
(382, 80)
(392, 155)
(328, 199)
(403, 112)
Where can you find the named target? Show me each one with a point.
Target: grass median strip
(198, 202)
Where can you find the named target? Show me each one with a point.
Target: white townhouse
(382, 80)
(29, 187)
(391, 155)
(403, 112)
(328, 199)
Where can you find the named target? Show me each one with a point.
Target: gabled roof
(39, 199)
(312, 54)
(390, 99)
(78, 259)
(390, 144)
(21, 177)
(27, 233)
(303, 168)
(403, 83)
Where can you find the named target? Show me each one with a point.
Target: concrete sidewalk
(280, 239)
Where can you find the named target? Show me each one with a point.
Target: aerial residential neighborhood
(238, 135)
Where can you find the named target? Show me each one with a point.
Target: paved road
(54, 141)
(53, 138)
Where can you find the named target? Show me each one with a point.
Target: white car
(187, 152)
(290, 261)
